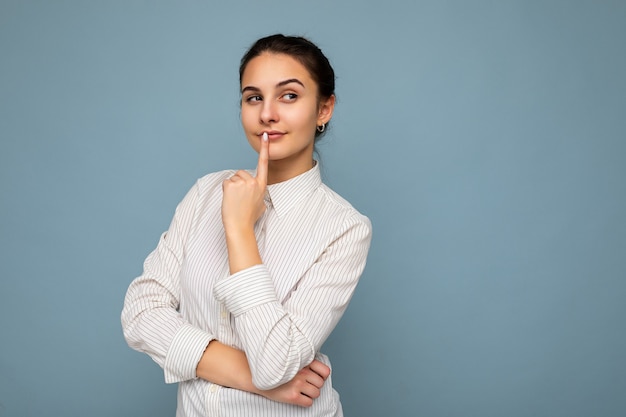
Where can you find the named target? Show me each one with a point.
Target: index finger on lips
(261, 170)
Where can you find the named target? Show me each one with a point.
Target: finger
(241, 175)
(304, 400)
(320, 368)
(313, 378)
(261, 170)
(310, 391)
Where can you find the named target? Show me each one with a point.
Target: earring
(321, 128)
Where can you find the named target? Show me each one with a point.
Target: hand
(243, 200)
(303, 388)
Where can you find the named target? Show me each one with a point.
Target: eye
(252, 99)
(290, 96)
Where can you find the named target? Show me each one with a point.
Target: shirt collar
(284, 195)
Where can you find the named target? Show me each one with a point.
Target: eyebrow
(280, 84)
(289, 81)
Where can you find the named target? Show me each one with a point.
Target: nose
(269, 112)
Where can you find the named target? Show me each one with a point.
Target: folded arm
(227, 366)
(280, 339)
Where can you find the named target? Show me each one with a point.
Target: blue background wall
(486, 141)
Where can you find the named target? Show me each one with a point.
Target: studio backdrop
(485, 140)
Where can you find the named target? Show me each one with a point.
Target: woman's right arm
(227, 366)
(153, 325)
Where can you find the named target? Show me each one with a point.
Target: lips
(273, 134)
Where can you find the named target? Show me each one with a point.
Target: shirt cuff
(184, 353)
(245, 290)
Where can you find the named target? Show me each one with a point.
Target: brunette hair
(303, 51)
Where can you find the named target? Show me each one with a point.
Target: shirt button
(213, 388)
(224, 314)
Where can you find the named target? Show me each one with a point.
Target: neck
(280, 171)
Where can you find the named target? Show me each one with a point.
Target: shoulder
(342, 208)
(211, 183)
(214, 178)
(206, 188)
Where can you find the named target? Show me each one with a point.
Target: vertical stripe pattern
(313, 245)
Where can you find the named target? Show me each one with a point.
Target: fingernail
(265, 138)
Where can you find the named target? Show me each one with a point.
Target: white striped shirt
(313, 245)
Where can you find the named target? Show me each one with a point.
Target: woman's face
(278, 96)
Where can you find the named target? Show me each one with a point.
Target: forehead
(268, 69)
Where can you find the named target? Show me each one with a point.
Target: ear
(326, 108)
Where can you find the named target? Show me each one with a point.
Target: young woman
(256, 268)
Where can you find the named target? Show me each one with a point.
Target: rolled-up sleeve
(150, 318)
(280, 339)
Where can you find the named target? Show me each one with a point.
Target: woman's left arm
(280, 339)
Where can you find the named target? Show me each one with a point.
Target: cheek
(245, 119)
(302, 119)
(255, 145)
(249, 129)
